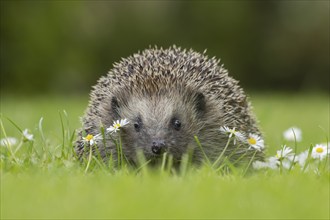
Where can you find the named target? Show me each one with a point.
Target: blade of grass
(63, 134)
(202, 150)
(11, 121)
(249, 164)
(222, 153)
(8, 145)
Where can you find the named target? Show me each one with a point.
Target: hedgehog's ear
(200, 103)
(115, 107)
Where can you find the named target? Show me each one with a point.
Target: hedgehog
(175, 101)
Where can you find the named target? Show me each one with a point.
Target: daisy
(117, 125)
(286, 158)
(287, 163)
(27, 136)
(259, 165)
(255, 141)
(272, 163)
(302, 157)
(293, 134)
(320, 151)
(90, 139)
(285, 152)
(232, 132)
(8, 141)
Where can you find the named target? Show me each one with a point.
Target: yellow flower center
(89, 137)
(117, 125)
(319, 150)
(252, 141)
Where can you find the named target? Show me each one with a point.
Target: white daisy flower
(255, 141)
(320, 151)
(292, 134)
(285, 152)
(8, 141)
(271, 162)
(259, 165)
(232, 132)
(90, 139)
(117, 125)
(227, 130)
(287, 163)
(286, 157)
(27, 136)
(302, 157)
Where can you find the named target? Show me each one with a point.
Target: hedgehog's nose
(158, 147)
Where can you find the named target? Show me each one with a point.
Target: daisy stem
(295, 150)
(121, 151)
(116, 144)
(89, 158)
(239, 159)
(308, 157)
(249, 164)
(281, 166)
(201, 148)
(222, 153)
(222, 165)
(44, 145)
(118, 153)
(234, 152)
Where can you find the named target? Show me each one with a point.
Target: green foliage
(63, 46)
(41, 177)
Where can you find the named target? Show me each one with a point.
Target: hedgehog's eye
(138, 124)
(176, 124)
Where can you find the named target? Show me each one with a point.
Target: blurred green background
(63, 47)
(52, 52)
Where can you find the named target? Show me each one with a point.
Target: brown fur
(157, 87)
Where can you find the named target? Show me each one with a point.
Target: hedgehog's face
(160, 124)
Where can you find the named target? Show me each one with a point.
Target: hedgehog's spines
(173, 74)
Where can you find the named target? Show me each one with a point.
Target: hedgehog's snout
(158, 147)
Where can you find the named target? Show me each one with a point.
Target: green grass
(56, 186)
(200, 195)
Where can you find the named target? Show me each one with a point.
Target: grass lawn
(57, 187)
